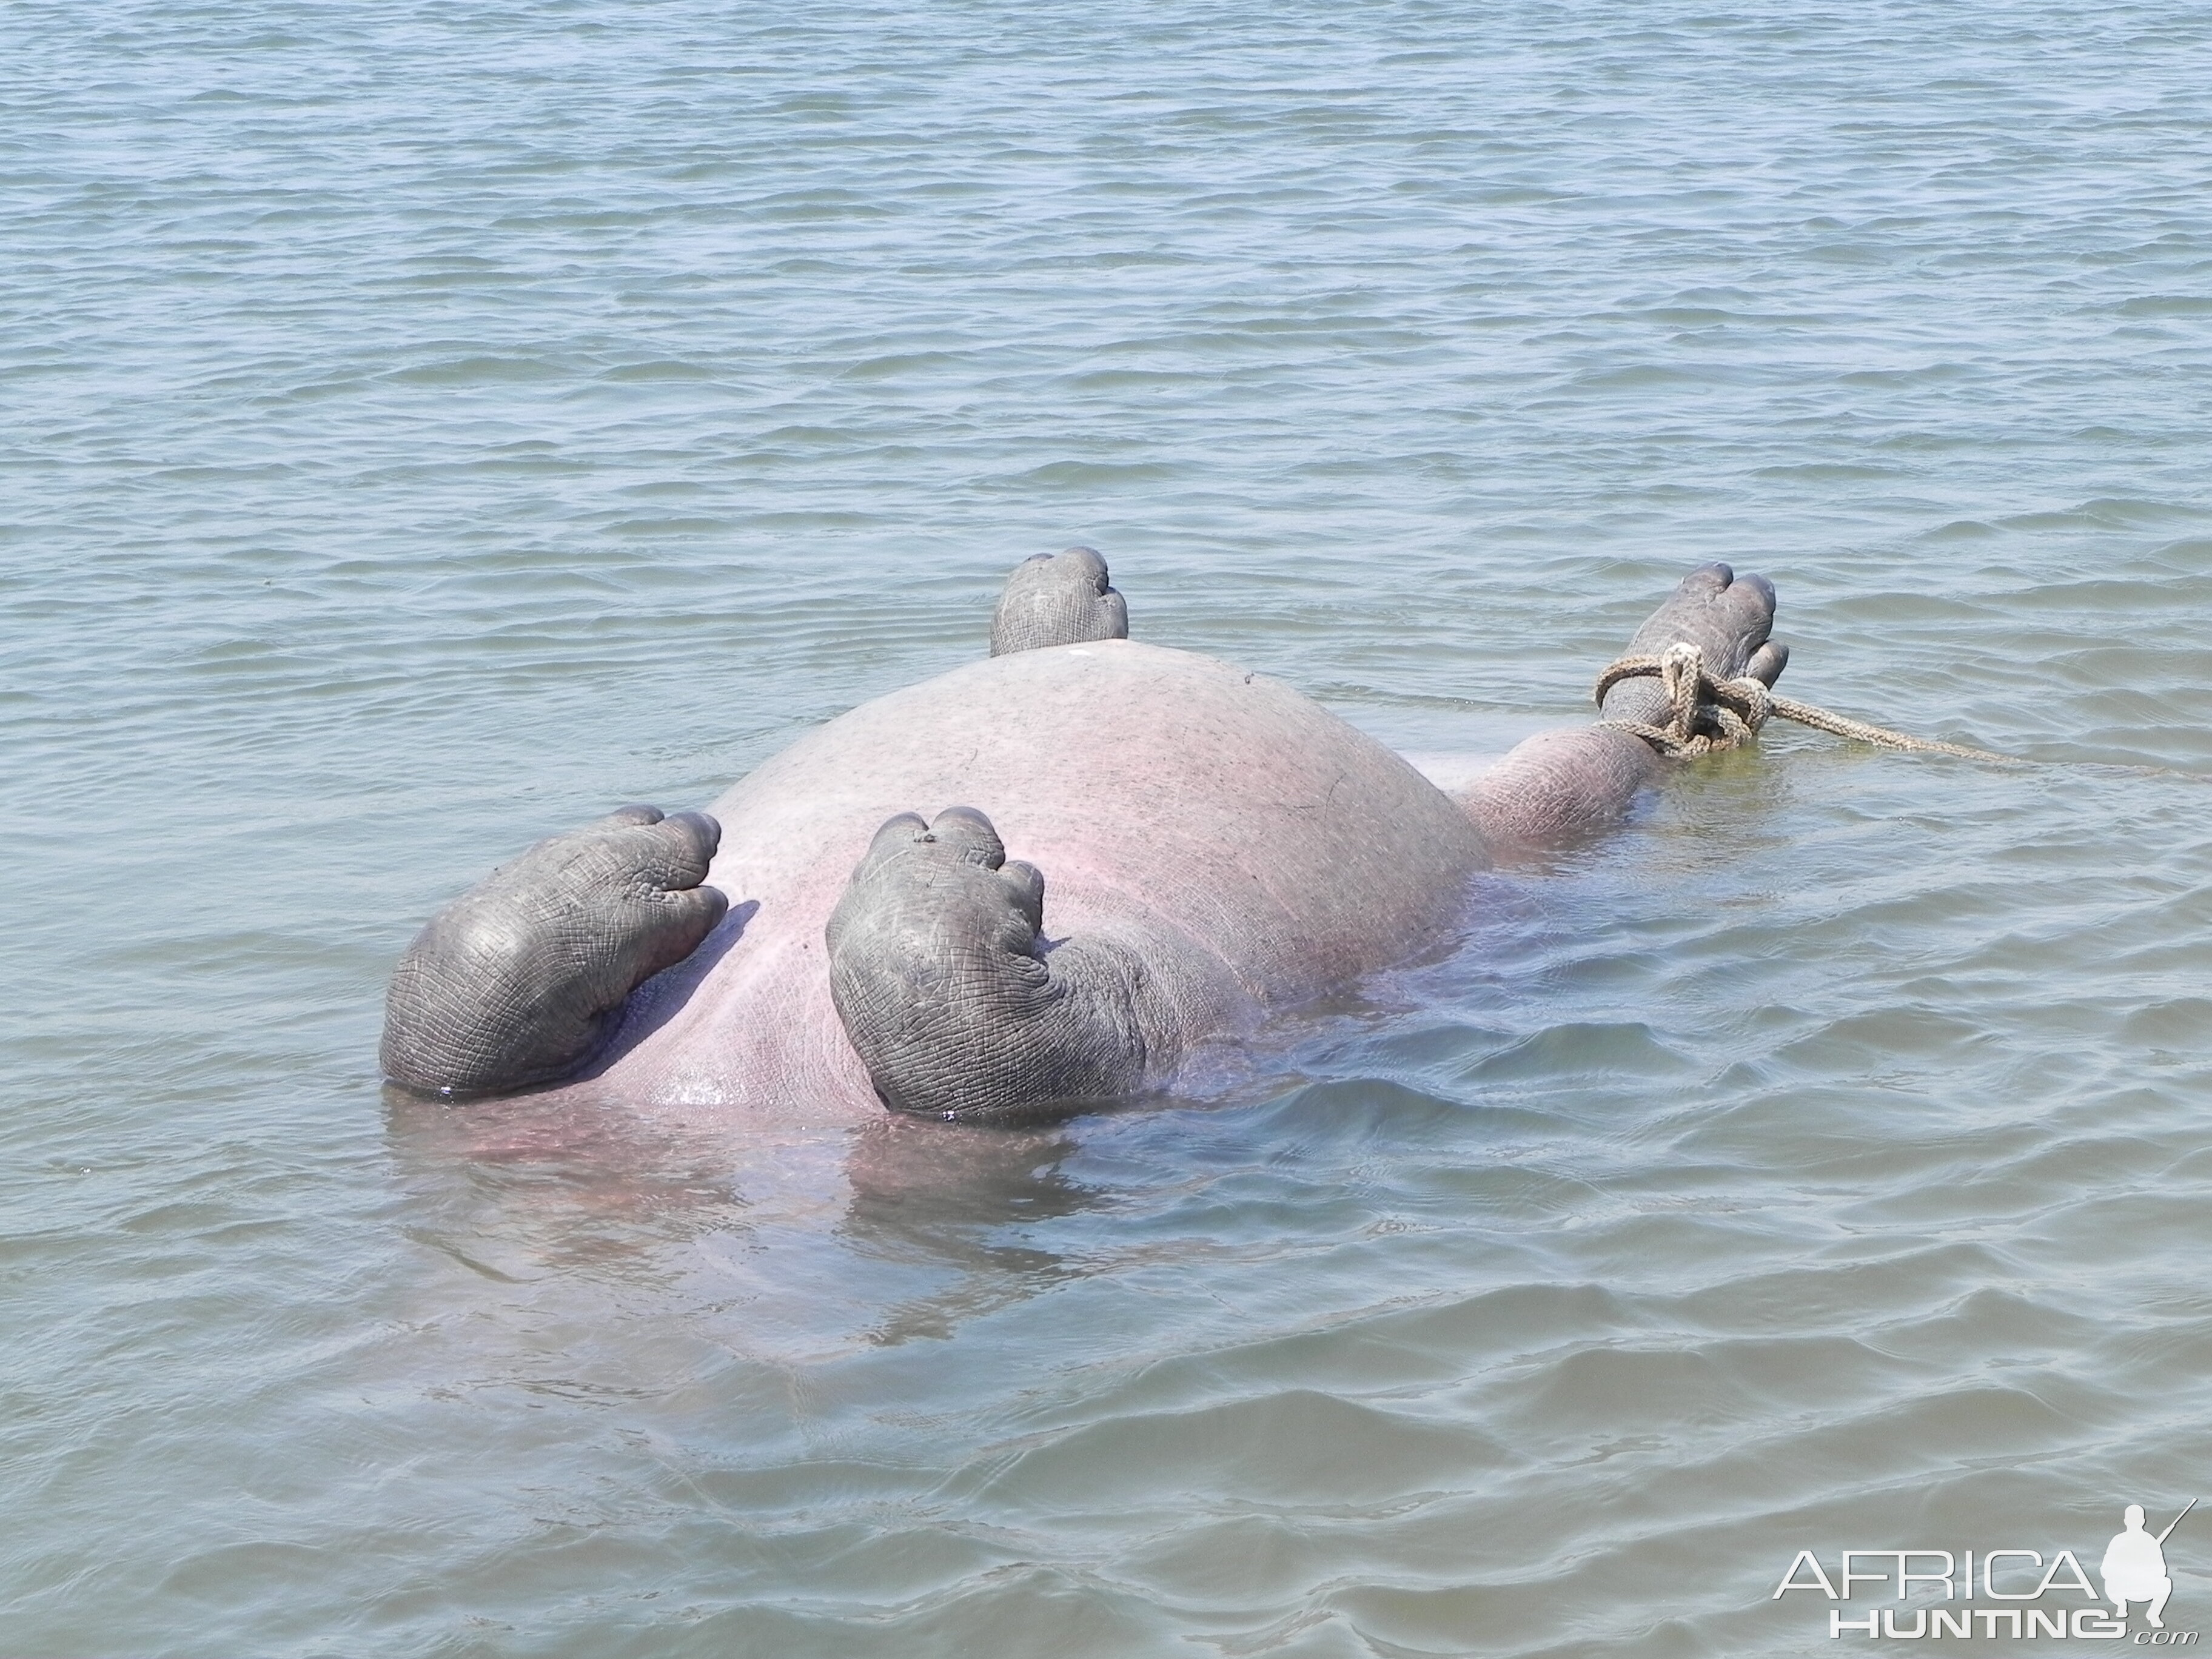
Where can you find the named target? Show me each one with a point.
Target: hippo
(1036, 884)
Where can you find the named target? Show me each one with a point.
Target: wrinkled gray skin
(938, 976)
(1060, 599)
(1561, 785)
(522, 979)
(1200, 846)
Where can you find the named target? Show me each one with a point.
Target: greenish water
(421, 427)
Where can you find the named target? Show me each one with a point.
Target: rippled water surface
(427, 426)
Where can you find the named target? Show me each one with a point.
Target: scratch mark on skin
(1320, 806)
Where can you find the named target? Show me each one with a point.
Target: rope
(1708, 715)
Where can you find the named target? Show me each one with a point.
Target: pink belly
(1157, 790)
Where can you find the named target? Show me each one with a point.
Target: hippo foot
(522, 979)
(1559, 788)
(957, 1006)
(1058, 598)
(1727, 616)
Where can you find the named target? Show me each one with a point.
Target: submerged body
(1173, 847)
(1251, 845)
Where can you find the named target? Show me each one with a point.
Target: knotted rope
(1707, 715)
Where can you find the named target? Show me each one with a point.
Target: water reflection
(515, 1188)
(947, 1194)
(552, 1181)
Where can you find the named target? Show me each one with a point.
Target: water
(426, 427)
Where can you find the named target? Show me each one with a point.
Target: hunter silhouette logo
(2133, 1570)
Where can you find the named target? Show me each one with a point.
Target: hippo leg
(1725, 616)
(522, 979)
(1560, 786)
(1058, 598)
(956, 1006)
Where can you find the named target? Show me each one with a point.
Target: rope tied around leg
(1707, 715)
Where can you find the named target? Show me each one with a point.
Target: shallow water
(427, 426)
